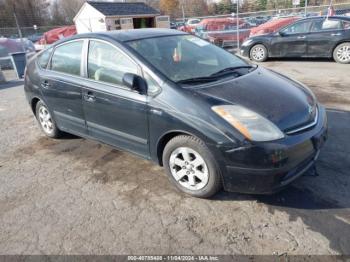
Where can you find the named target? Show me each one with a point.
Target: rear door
(61, 87)
(291, 41)
(324, 35)
(114, 114)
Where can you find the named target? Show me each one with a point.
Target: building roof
(123, 9)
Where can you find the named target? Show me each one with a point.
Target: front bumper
(244, 50)
(265, 168)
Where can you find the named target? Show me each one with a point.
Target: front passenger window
(107, 64)
(298, 28)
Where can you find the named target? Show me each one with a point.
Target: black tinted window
(297, 28)
(67, 58)
(107, 64)
(325, 25)
(44, 57)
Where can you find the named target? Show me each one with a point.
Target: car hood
(286, 103)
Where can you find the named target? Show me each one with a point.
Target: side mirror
(135, 82)
(280, 33)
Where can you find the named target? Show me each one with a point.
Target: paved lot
(74, 196)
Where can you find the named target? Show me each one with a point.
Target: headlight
(247, 42)
(252, 125)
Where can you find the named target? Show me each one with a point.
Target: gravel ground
(73, 196)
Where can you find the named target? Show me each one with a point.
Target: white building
(106, 16)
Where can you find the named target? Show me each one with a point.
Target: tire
(200, 175)
(258, 53)
(341, 53)
(46, 121)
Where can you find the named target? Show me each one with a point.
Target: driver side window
(297, 28)
(108, 64)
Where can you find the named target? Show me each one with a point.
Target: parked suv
(310, 37)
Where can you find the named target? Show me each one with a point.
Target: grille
(302, 128)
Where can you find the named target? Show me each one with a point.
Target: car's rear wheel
(46, 121)
(341, 53)
(258, 53)
(191, 166)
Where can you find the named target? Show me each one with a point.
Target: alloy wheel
(343, 54)
(258, 53)
(46, 120)
(189, 168)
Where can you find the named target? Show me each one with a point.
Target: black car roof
(127, 35)
(333, 17)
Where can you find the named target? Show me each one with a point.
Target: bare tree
(28, 12)
(63, 11)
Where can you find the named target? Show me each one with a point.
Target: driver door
(114, 114)
(291, 41)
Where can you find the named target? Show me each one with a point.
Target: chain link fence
(31, 33)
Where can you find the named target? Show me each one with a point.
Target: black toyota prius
(210, 118)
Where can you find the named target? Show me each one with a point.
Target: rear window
(325, 25)
(43, 58)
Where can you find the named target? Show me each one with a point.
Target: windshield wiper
(197, 80)
(232, 69)
(215, 76)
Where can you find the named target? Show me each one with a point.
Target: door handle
(301, 37)
(336, 34)
(89, 97)
(45, 84)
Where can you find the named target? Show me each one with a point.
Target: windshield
(185, 57)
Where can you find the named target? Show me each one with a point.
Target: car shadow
(10, 84)
(322, 202)
(295, 59)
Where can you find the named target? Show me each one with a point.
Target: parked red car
(190, 26)
(223, 31)
(273, 26)
(56, 34)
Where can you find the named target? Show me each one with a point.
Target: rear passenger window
(43, 58)
(325, 25)
(108, 64)
(67, 58)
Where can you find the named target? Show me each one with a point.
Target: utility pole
(18, 28)
(237, 18)
(306, 8)
(183, 11)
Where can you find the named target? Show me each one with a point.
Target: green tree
(262, 4)
(226, 7)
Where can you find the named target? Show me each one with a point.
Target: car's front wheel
(46, 121)
(258, 53)
(342, 53)
(191, 166)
